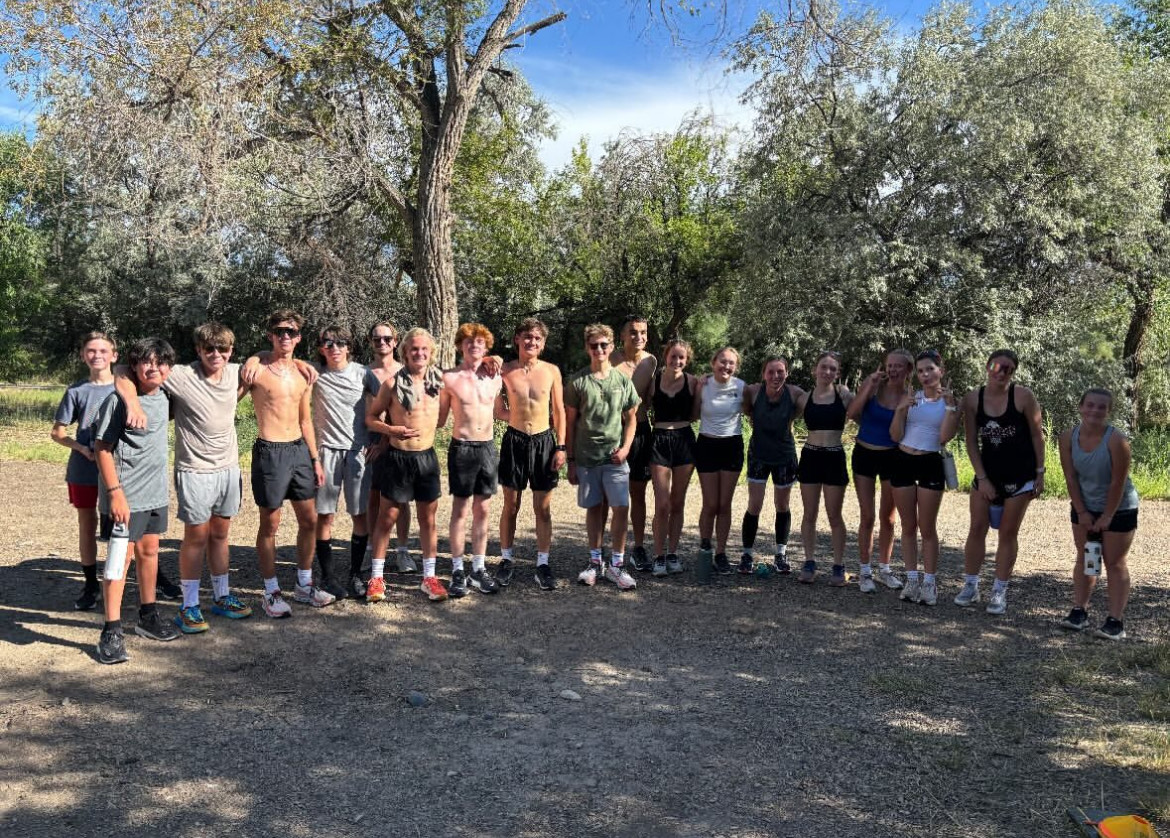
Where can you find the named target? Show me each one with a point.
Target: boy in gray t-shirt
(134, 493)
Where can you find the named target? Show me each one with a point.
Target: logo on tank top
(995, 433)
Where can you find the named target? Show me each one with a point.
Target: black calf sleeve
(783, 526)
(325, 556)
(751, 523)
(357, 553)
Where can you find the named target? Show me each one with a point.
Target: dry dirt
(747, 708)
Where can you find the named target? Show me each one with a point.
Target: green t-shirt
(600, 403)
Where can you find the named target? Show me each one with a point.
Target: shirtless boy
(531, 453)
(469, 393)
(638, 365)
(284, 463)
(410, 400)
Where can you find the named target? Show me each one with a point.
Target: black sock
(357, 553)
(783, 527)
(113, 625)
(146, 610)
(325, 557)
(751, 523)
(90, 571)
(704, 544)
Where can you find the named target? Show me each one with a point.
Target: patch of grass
(29, 404)
(897, 684)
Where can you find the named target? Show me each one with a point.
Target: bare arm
(381, 406)
(500, 409)
(560, 418)
(119, 508)
(898, 425)
(571, 436)
(749, 400)
(1035, 419)
(60, 435)
(867, 391)
(971, 438)
(1075, 497)
(629, 425)
(126, 388)
(1119, 453)
(310, 434)
(444, 404)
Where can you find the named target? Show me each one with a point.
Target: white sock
(304, 577)
(616, 558)
(885, 566)
(377, 568)
(928, 578)
(912, 575)
(429, 567)
(506, 554)
(972, 579)
(271, 586)
(541, 558)
(456, 564)
(477, 563)
(595, 555)
(867, 569)
(999, 587)
(190, 592)
(219, 585)
(781, 549)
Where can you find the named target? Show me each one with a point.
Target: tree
(22, 253)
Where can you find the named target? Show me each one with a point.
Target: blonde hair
(594, 330)
(730, 349)
(416, 332)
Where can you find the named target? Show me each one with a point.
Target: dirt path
(748, 708)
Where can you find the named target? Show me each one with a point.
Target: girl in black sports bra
(672, 457)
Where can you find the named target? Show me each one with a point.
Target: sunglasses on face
(335, 344)
(996, 366)
(386, 339)
(285, 332)
(222, 349)
(599, 345)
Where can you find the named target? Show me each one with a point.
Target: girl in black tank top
(671, 456)
(676, 408)
(1005, 444)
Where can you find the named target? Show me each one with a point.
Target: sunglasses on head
(285, 332)
(330, 343)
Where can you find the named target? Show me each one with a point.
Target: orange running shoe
(433, 588)
(376, 589)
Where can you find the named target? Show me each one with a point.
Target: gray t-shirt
(80, 404)
(140, 456)
(205, 418)
(600, 403)
(339, 407)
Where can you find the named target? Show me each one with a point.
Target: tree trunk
(1142, 291)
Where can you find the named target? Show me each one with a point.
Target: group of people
(335, 428)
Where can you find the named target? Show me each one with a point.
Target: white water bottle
(116, 552)
(1093, 556)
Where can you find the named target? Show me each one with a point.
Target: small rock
(520, 661)
(569, 695)
(357, 818)
(451, 774)
(65, 702)
(416, 699)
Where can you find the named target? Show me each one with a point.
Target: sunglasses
(599, 345)
(996, 366)
(386, 339)
(221, 348)
(335, 344)
(285, 332)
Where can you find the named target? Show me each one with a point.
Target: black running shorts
(409, 475)
(472, 468)
(282, 471)
(526, 461)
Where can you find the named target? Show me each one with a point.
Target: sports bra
(676, 408)
(825, 417)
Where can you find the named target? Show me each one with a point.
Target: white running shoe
(406, 563)
(928, 593)
(588, 576)
(620, 577)
(889, 579)
(275, 606)
(969, 595)
(998, 602)
(866, 583)
(312, 595)
(912, 591)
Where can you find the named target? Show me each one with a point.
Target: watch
(559, 448)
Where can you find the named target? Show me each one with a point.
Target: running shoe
(780, 564)
(1111, 629)
(165, 588)
(998, 602)
(433, 588)
(808, 572)
(1077, 620)
(153, 627)
(619, 577)
(544, 578)
(912, 591)
(111, 647)
(458, 587)
(275, 606)
(505, 570)
(640, 559)
(483, 582)
(357, 586)
(332, 586)
(928, 593)
(674, 565)
(232, 607)
(406, 563)
(89, 599)
(190, 620)
(375, 589)
(889, 579)
(589, 575)
(969, 595)
(312, 595)
(866, 583)
(747, 564)
(721, 564)
(837, 580)
(659, 568)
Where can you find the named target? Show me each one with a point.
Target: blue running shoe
(231, 607)
(190, 620)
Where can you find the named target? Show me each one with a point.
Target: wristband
(113, 488)
(559, 448)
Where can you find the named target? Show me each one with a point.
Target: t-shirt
(140, 456)
(600, 403)
(205, 418)
(339, 407)
(80, 404)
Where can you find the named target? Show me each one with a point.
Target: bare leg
(637, 513)
(660, 475)
(479, 524)
(266, 541)
(428, 534)
(727, 481)
(1115, 551)
(306, 512)
(810, 496)
(1009, 535)
(929, 501)
(86, 538)
(508, 518)
(542, 511)
(457, 534)
(595, 525)
(195, 541)
(864, 487)
(621, 517)
(834, 500)
(887, 515)
(906, 500)
(975, 550)
(709, 483)
(679, 483)
(218, 552)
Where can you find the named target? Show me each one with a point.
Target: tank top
(825, 417)
(676, 408)
(1005, 443)
(772, 442)
(1095, 471)
(923, 423)
(721, 412)
(875, 425)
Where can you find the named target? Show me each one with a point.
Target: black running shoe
(505, 570)
(458, 586)
(745, 564)
(167, 589)
(89, 599)
(1111, 629)
(722, 565)
(332, 586)
(111, 647)
(483, 582)
(357, 586)
(1077, 620)
(153, 627)
(544, 578)
(640, 559)
(781, 565)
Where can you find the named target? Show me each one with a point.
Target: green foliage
(23, 251)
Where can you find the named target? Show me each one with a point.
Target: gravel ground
(748, 708)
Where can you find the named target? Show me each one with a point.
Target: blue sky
(608, 67)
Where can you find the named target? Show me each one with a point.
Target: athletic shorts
(672, 447)
(82, 496)
(526, 461)
(607, 482)
(345, 471)
(281, 471)
(1003, 491)
(823, 465)
(410, 475)
(1124, 520)
(718, 453)
(922, 470)
(783, 474)
(473, 467)
(639, 458)
(874, 463)
(146, 522)
(202, 495)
